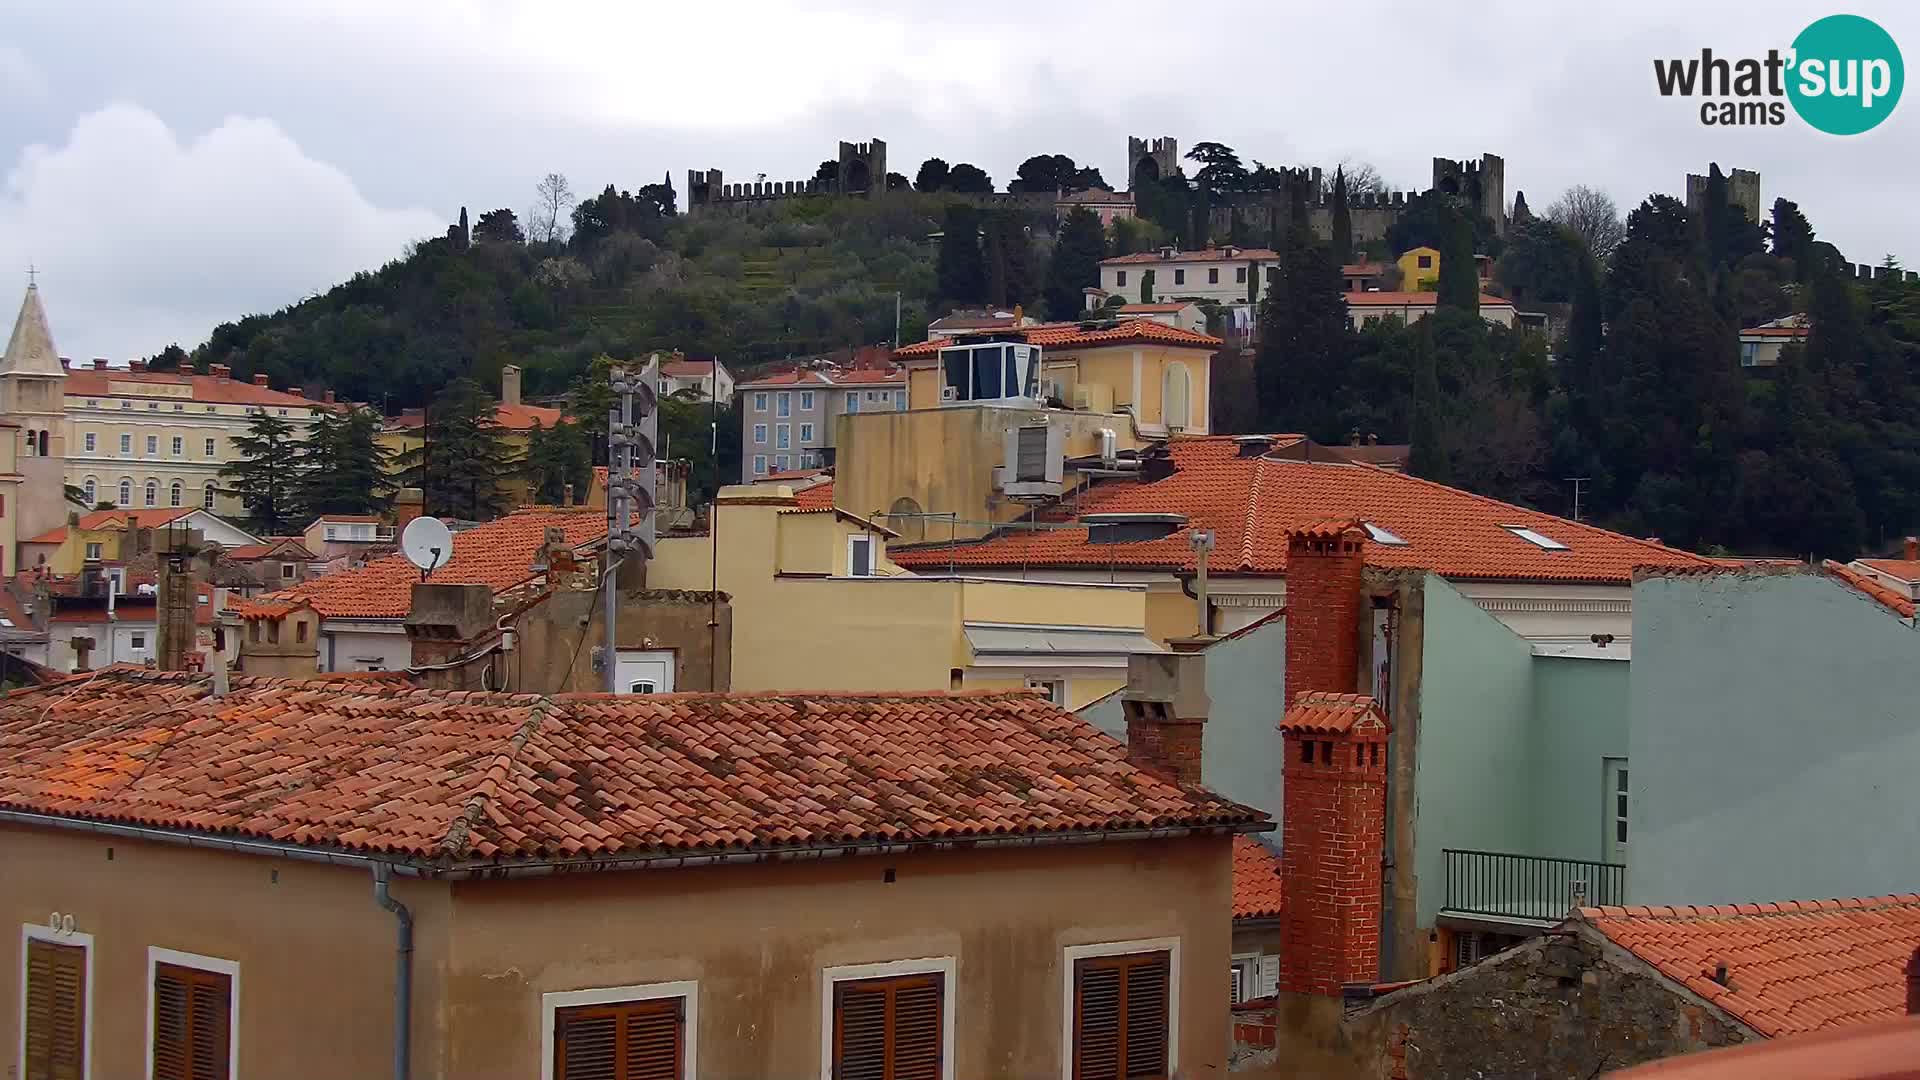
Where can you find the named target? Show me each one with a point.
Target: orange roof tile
(206, 389)
(1251, 503)
(457, 779)
(1256, 880)
(1791, 967)
(498, 554)
(51, 536)
(1325, 713)
(1884, 1051)
(1127, 331)
(682, 368)
(1413, 299)
(817, 497)
(1887, 597)
(827, 378)
(1904, 569)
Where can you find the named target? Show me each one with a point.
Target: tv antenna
(427, 544)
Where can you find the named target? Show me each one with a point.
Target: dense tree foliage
(1076, 262)
(466, 461)
(962, 274)
(1050, 173)
(343, 467)
(265, 474)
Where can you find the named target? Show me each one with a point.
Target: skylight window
(1382, 536)
(1543, 542)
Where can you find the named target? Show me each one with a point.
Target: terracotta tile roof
(869, 376)
(852, 377)
(1904, 569)
(1069, 336)
(1332, 714)
(207, 389)
(1251, 503)
(1884, 595)
(1880, 1051)
(681, 368)
(120, 519)
(284, 547)
(453, 778)
(817, 497)
(51, 536)
(1776, 331)
(1791, 967)
(1368, 269)
(1256, 880)
(498, 554)
(1203, 255)
(1413, 299)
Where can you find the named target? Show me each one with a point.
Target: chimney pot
(1911, 548)
(99, 364)
(510, 385)
(136, 365)
(1166, 706)
(260, 380)
(328, 397)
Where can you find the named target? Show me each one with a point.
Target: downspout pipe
(402, 973)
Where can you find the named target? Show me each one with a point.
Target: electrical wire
(606, 576)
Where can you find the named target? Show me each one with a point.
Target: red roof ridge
(1328, 712)
(1751, 910)
(1884, 595)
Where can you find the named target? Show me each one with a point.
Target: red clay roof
(1203, 255)
(115, 519)
(1323, 713)
(454, 778)
(1128, 331)
(1256, 880)
(1413, 299)
(686, 369)
(51, 536)
(1887, 597)
(207, 390)
(817, 497)
(498, 554)
(1883, 1051)
(805, 379)
(1252, 503)
(1904, 569)
(1791, 967)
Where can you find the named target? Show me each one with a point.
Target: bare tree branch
(1592, 214)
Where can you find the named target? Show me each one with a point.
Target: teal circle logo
(1846, 75)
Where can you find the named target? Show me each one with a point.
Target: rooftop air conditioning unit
(1034, 461)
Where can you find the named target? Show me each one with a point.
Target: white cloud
(144, 238)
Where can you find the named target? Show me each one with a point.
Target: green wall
(1579, 720)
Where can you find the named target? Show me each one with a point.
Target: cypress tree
(1459, 283)
(1075, 264)
(1342, 220)
(961, 271)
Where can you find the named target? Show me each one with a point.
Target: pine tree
(1342, 220)
(557, 456)
(961, 270)
(1076, 263)
(464, 463)
(343, 467)
(267, 476)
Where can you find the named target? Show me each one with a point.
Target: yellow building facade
(1419, 269)
(818, 606)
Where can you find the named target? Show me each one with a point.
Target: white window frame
(687, 990)
(153, 446)
(41, 932)
(806, 434)
(759, 401)
(806, 401)
(759, 464)
(781, 463)
(783, 436)
(1537, 539)
(943, 966)
(89, 438)
(92, 488)
(207, 494)
(94, 549)
(209, 448)
(1058, 687)
(759, 434)
(783, 403)
(179, 446)
(126, 443)
(1168, 945)
(230, 968)
(126, 494)
(900, 400)
(854, 541)
(853, 401)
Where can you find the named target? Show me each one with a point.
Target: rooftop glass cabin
(1005, 372)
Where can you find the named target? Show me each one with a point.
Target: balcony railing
(1502, 885)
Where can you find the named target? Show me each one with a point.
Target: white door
(645, 671)
(1615, 812)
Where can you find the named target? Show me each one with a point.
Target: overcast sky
(172, 166)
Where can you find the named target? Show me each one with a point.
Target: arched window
(1176, 401)
(90, 488)
(30, 442)
(175, 493)
(126, 492)
(153, 493)
(206, 499)
(43, 444)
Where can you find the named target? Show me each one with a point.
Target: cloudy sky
(171, 166)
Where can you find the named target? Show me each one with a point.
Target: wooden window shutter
(888, 1029)
(631, 1040)
(192, 1018)
(56, 1036)
(1120, 1017)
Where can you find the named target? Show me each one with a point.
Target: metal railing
(1505, 885)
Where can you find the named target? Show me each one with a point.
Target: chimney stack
(1910, 549)
(220, 371)
(510, 385)
(99, 364)
(328, 397)
(260, 380)
(136, 365)
(1166, 705)
(1334, 770)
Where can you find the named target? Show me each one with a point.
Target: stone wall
(1568, 1004)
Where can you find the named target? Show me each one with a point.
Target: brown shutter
(638, 1040)
(56, 1037)
(192, 1018)
(888, 1029)
(1120, 1017)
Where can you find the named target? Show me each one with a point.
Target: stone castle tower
(1743, 191)
(1148, 161)
(1481, 183)
(33, 399)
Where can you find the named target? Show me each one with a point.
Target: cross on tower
(31, 274)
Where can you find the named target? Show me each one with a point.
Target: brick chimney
(220, 372)
(1910, 549)
(1165, 703)
(1325, 565)
(136, 365)
(327, 397)
(99, 364)
(1333, 800)
(510, 385)
(1333, 827)
(260, 380)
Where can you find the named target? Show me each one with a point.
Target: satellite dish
(427, 544)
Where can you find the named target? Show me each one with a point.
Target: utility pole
(632, 428)
(1577, 481)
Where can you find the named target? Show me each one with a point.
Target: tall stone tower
(1148, 161)
(33, 399)
(863, 168)
(1483, 184)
